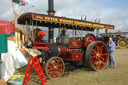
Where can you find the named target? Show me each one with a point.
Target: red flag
(23, 3)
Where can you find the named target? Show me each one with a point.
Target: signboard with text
(47, 18)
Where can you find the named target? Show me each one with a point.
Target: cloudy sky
(113, 12)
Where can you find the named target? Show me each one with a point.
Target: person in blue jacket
(111, 49)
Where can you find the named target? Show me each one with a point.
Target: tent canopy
(6, 27)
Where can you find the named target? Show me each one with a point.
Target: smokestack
(51, 12)
(51, 7)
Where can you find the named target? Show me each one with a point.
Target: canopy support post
(97, 32)
(106, 32)
(33, 36)
(73, 32)
(82, 33)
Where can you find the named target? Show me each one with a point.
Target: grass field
(82, 76)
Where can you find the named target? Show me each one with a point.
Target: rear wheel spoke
(100, 48)
(50, 66)
(103, 54)
(102, 62)
(92, 60)
(94, 51)
(51, 69)
(96, 65)
(60, 65)
(58, 62)
(102, 58)
(96, 47)
(50, 73)
(95, 62)
(93, 56)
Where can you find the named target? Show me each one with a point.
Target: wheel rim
(55, 68)
(99, 56)
(122, 43)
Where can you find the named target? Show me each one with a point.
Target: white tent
(12, 60)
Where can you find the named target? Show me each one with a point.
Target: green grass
(82, 76)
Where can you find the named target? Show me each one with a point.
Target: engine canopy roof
(57, 22)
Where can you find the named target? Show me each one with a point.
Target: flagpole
(14, 17)
(27, 8)
(13, 9)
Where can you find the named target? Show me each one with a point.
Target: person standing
(111, 49)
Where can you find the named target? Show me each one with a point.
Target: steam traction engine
(74, 50)
(118, 37)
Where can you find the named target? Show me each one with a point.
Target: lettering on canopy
(70, 21)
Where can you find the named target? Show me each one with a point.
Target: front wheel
(97, 55)
(54, 67)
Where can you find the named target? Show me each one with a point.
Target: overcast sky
(114, 12)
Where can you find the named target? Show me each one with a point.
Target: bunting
(16, 1)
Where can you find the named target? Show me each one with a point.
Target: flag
(31, 2)
(23, 3)
(16, 1)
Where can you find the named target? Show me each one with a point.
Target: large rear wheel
(54, 67)
(97, 55)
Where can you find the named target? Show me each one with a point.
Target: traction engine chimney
(51, 13)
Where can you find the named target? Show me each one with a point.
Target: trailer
(75, 50)
(120, 38)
